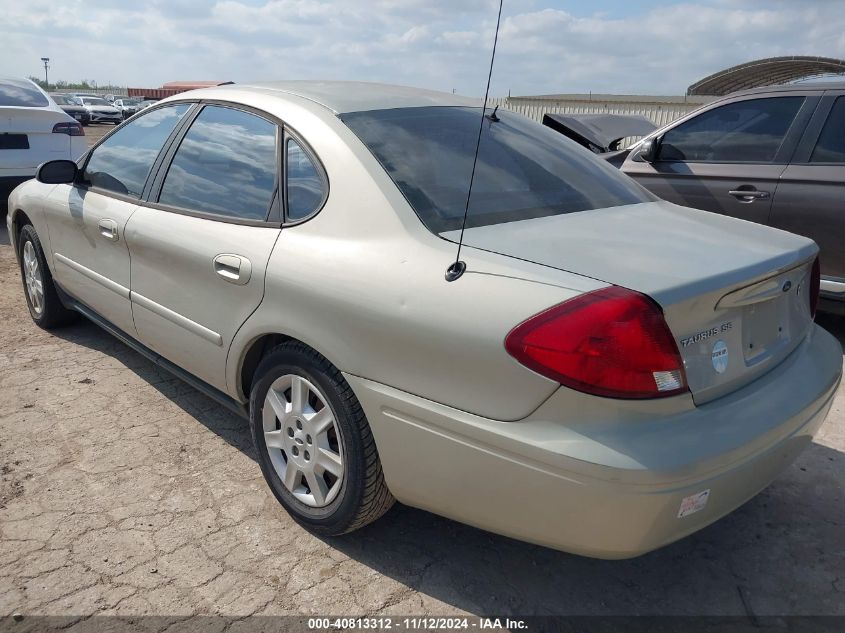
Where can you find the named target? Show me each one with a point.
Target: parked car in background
(652, 367)
(100, 110)
(72, 106)
(772, 155)
(146, 103)
(33, 130)
(127, 106)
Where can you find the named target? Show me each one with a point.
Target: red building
(172, 88)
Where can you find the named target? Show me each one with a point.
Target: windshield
(525, 170)
(19, 93)
(95, 101)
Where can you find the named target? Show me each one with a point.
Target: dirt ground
(95, 131)
(123, 490)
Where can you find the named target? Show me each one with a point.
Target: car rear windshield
(21, 94)
(525, 170)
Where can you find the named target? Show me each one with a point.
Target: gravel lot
(123, 490)
(95, 131)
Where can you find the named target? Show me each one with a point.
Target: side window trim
(169, 148)
(290, 134)
(274, 209)
(80, 183)
(790, 140)
(814, 130)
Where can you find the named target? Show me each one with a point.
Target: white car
(100, 110)
(33, 130)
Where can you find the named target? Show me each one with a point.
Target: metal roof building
(766, 72)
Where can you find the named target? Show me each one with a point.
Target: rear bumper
(8, 183)
(599, 477)
(82, 117)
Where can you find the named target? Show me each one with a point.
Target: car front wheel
(43, 301)
(314, 444)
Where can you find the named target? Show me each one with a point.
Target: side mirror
(649, 149)
(57, 172)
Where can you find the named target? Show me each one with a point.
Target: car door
(809, 199)
(200, 246)
(87, 219)
(726, 159)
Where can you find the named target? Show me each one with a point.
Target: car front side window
(122, 163)
(749, 131)
(225, 165)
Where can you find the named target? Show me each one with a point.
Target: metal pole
(46, 61)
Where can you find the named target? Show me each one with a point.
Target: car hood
(667, 251)
(103, 109)
(601, 130)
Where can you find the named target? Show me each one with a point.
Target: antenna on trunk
(457, 268)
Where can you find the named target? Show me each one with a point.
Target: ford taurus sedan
(610, 373)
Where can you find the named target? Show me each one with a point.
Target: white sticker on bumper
(693, 503)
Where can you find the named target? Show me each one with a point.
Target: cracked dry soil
(124, 491)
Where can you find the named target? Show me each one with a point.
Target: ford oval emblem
(719, 356)
(786, 285)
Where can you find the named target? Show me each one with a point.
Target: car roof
(353, 96)
(800, 87)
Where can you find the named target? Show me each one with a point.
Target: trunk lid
(36, 124)
(734, 293)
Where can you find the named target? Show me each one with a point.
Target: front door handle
(233, 268)
(108, 229)
(749, 195)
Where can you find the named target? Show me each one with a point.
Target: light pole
(46, 61)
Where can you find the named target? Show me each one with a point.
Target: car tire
(351, 493)
(45, 307)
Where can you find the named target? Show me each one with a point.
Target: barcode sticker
(693, 503)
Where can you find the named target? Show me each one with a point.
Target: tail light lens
(71, 128)
(611, 342)
(815, 286)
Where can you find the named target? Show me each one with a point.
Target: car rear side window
(225, 165)
(123, 161)
(525, 170)
(749, 131)
(21, 94)
(306, 186)
(830, 148)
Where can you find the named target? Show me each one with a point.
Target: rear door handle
(749, 195)
(233, 268)
(108, 229)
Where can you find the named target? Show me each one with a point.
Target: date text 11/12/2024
(416, 623)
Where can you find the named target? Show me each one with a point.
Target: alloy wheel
(302, 439)
(32, 277)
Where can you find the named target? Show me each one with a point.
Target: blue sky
(616, 46)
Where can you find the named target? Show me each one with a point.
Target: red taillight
(815, 286)
(71, 128)
(611, 342)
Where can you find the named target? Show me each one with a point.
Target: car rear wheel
(314, 444)
(45, 307)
